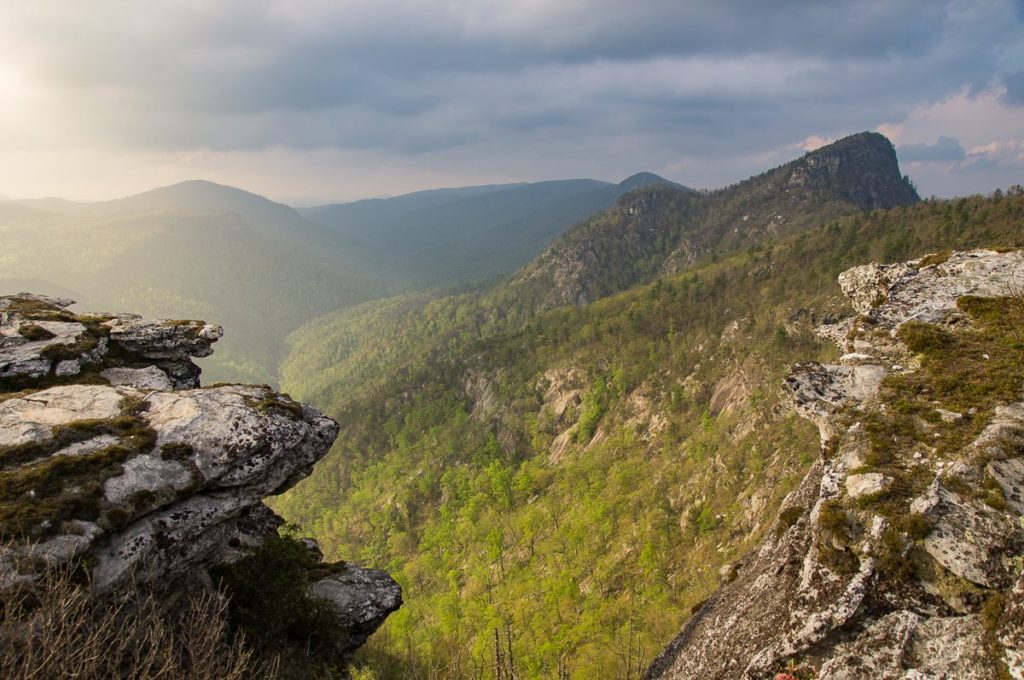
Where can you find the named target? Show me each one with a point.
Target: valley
(575, 477)
(463, 340)
(565, 463)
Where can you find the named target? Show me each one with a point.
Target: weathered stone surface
(867, 286)
(1011, 629)
(149, 378)
(185, 469)
(968, 537)
(905, 645)
(362, 598)
(234, 446)
(31, 418)
(163, 339)
(1004, 436)
(1009, 475)
(22, 356)
(867, 484)
(39, 337)
(820, 390)
(815, 593)
(8, 301)
(930, 293)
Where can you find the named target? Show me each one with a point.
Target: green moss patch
(276, 404)
(39, 490)
(924, 337)
(837, 532)
(935, 258)
(11, 387)
(968, 372)
(176, 451)
(34, 332)
(788, 517)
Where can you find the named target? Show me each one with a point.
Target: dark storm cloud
(945, 149)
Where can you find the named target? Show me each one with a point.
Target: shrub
(55, 629)
(269, 603)
(922, 337)
(34, 332)
(934, 259)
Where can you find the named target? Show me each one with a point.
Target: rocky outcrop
(896, 557)
(112, 454)
(861, 169)
(40, 341)
(361, 598)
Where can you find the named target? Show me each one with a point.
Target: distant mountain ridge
(220, 252)
(655, 230)
(472, 234)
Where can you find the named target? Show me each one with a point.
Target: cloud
(813, 142)
(491, 87)
(980, 142)
(1014, 84)
(945, 149)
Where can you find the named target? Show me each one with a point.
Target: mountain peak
(643, 179)
(194, 189)
(861, 169)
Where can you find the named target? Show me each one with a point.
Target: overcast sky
(305, 100)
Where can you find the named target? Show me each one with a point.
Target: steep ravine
(113, 456)
(901, 554)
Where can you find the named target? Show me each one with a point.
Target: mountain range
(203, 249)
(463, 236)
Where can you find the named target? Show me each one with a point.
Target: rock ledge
(112, 453)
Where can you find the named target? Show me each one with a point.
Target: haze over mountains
(263, 268)
(201, 249)
(456, 236)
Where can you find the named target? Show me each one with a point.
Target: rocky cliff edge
(901, 554)
(112, 454)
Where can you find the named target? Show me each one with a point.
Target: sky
(309, 101)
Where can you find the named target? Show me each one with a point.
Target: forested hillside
(469, 235)
(262, 269)
(659, 230)
(568, 484)
(179, 262)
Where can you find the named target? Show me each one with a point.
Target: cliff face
(861, 169)
(901, 554)
(111, 453)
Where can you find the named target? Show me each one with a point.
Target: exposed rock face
(934, 591)
(862, 168)
(40, 339)
(149, 477)
(361, 598)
